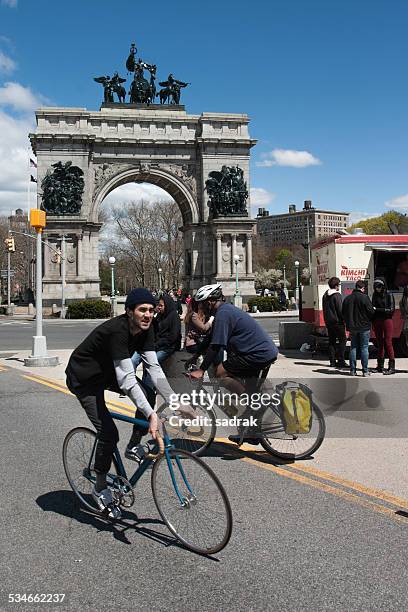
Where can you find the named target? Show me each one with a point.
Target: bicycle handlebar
(160, 442)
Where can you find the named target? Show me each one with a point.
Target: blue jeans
(359, 340)
(161, 356)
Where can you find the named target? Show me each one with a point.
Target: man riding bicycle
(103, 361)
(249, 348)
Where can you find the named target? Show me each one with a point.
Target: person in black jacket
(358, 312)
(167, 340)
(333, 318)
(384, 306)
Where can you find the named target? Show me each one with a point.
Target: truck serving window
(393, 266)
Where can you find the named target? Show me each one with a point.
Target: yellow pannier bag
(296, 406)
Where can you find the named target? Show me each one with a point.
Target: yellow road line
(361, 501)
(288, 472)
(116, 406)
(284, 471)
(387, 497)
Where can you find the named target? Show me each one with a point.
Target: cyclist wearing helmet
(102, 361)
(249, 348)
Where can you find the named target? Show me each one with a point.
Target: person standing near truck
(358, 313)
(384, 306)
(333, 318)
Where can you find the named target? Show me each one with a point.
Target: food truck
(353, 257)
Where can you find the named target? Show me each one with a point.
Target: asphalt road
(299, 542)
(17, 335)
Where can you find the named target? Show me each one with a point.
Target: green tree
(391, 222)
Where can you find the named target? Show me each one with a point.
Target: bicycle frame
(144, 465)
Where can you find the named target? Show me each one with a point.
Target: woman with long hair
(198, 326)
(384, 306)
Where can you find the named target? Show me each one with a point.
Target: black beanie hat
(139, 296)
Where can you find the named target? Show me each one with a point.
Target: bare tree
(145, 238)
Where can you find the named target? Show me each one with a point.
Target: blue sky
(324, 83)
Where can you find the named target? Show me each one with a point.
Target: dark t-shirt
(238, 332)
(91, 363)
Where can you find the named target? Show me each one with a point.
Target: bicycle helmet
(207, 292)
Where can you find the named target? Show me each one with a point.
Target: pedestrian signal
(10, 246)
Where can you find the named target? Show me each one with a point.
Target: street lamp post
(309, 258)
(112, 262)
(297, 282)
(284, 280)
(237, 297)
(63, 276)
(160, 279)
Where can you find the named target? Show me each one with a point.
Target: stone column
(249, 253)
(47, 257)
(203, 254)
(233, 252)
(79, 255)
(219, 254)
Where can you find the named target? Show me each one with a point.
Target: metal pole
(236, 279)
(63, 274)
(112, 281)
(38, 299)
(297, 285)
(308, 252)
(113, 288)
(8, 282)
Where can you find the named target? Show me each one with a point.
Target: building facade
(298, 227)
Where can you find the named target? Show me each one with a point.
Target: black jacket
(358, 311)
(168, 326)
(384, 305)
(332, 304)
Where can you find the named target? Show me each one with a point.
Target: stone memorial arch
(162, 145)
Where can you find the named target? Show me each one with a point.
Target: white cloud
(9, 3)
(260, 197)
(14, 156)
(19, 98)
(124, 195)
(398, 202)
(288, 157)
(6, 63)
(135, 192)
(357, 216)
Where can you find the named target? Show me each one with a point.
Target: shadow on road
(66, 504)
(228, 452)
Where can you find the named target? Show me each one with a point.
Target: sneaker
(366, 373)
(353, 373)
(105, 501)
(135, 453)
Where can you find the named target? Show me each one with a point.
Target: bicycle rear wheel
(288, 446)
(78, 462)
(191, 438)
(202, 518)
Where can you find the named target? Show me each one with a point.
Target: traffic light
(10, 246)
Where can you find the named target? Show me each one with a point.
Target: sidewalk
(291, 364)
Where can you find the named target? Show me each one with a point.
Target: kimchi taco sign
(350, 274)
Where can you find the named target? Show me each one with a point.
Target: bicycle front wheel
(195, 437)
(78, 458)
(289, 446)
(192, 502)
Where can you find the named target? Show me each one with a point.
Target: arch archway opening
(142, 231)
